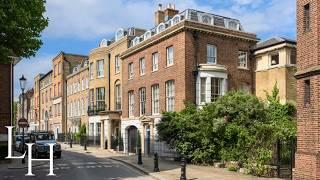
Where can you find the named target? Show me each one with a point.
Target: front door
(132, 138)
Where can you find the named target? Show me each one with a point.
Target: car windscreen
(43, 137)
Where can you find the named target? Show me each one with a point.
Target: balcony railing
(94, 109)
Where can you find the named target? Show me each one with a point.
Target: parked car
(41, 147)
(18, 143)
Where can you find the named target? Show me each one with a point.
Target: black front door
(132, 138)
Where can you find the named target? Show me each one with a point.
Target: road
(77, 166)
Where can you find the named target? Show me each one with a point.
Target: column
(102, 134)
(109, 134)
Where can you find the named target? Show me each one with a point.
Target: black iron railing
(95, 109)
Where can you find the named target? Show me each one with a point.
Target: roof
(272, 42)
(42, 77)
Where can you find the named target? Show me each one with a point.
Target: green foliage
(82, 132)
(237, 127)
(21, 24)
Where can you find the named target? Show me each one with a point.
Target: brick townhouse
(105, 86)
(62, 65)
(28, 109)
(189, 56)
(307, 163)
(36, 100)
(46, 111)
(77, 96)
(276, 64)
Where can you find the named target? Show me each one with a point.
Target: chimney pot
(160, 7)
(168, 6)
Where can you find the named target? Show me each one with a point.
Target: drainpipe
(195, 35)
(109, 79)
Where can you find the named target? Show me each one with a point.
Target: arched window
(119, 34)
(136, 41)
(161, 27)
(147, 35)
(175, 19)
(206, 19)
(103, 43)
(233, 25)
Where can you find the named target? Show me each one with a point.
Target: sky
(76, 26)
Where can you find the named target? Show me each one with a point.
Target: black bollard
(139, 156)
(156, 163)
(85, 143)
(70, 142)
(183, 169)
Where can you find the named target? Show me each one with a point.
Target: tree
(21, 24)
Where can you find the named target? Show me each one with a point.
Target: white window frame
(155, 61)
(161, 27)
(215, 95)
(155, 99)
(130, 70)
(211, 54)
(242, 59)
(142, 103)
(203, 89)
(142, 66)
(117, 64)
(91, 71)
(270, 57)
(131, 103)
(117, 96)
(170, 56)
(170, 95)
(100, 68)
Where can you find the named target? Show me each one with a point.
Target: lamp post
(23, 82)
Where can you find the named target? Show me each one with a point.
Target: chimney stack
(170, 12)
(164, 15)
(159, 15)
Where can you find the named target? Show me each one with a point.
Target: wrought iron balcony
(94, 109)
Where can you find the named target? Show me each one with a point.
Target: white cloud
(30, 68)
(86, 19)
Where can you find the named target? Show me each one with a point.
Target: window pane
(169, 55)
(154, 61)
(155, 99)
(170, 96)
(211, 54)
(142, 94)
(203, 89)
(142, 66)
(274, 59)
(242, 59)
(216, 88)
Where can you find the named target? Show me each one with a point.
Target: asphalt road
(77, 166)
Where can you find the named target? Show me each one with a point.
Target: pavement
(169, 170)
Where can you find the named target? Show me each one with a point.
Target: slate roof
(272, 42)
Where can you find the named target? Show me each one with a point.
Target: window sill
(142, 74)
(243, 68)
(169, 66)
(117, 72)
(155, 70)
(99, 77)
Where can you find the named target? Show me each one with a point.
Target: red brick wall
(307, 155)
(5, 96)
(182, 71)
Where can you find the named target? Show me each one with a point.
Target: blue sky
(76, 26)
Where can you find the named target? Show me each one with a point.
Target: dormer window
(175, 19)
(136, 41)
(147, 35)
(161, 27)
(206, 19)
(103, 43)
(233, 25)
(119, 34)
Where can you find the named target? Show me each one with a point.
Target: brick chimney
(159, 15)
(170, 12)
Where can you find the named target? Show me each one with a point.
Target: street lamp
(23, 82)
